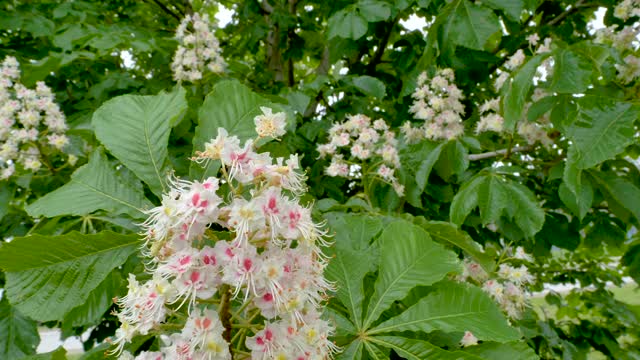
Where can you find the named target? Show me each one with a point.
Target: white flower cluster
(508, 288)
(517, 59)
(629, 71)
(272, 263)
(490, 120)
(531, 132)
(624, 40)
(29, 118)
(627, 9)
(198, 51)
(437, 102)
(363, 142)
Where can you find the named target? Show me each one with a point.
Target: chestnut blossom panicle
(270, 263)
(507, 286)
(468, 339)
(360, 143)
(436, 101)
(30, 121)
(198, 50)
(490, 119)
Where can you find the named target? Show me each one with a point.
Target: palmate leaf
(445, 232)
(620, 191)
(354, 258)
(408, 258)
(602, 130)
(229, 105)
(571, 73)
(498, 197)
(347, 23)
(18, 334)
(94, 186)
(135, 129)
(97, 303)
(47, 276)
(511, 8)
(57, 354)
(419, 350)
(453, 307)
(516, 92)
(506, 351)
(471, 25)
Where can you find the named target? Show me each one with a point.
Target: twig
(322, 69)
(265, 6)
(579, 4)
(166, 9)
(382, 46)
(488, 155)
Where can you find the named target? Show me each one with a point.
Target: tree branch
(166, 9)
(322, 69)
(382, 46)
(579, 4)
(488, 155)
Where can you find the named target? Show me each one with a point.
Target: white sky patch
(598, 22)
(224, 16)
(414, 22)
(127, 59)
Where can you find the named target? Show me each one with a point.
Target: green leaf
(97, 303)
(571, 72)
(408, 258)
(370, 86)
(445, 232)
(511, 8)
(493, 199)
(497, 197)
(375, 353)
(58, 354)
(135, 129)
(465, 200)
(602, 130)
(453, 160)
(472, 25)
(94, 186)
(524, 208)
(558, 231)
(347, 23)
(354, 258)
(230, 105)
(419, 350)
(6, 193)
(18, 334)
(373, 10)
(515, 93)
(352, 352)
(620, 190)
(47, 276)
(453, 307)
(425, 167)
(507, 351)
(631, 260)
(580, 204)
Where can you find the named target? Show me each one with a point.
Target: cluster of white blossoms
(199, 50)
(627, 9)
(266, 275)
(368, 145)
(531, 132)
(624, 39)
(437, 103)
(508, 287)
(29, 120)
(517, 59)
